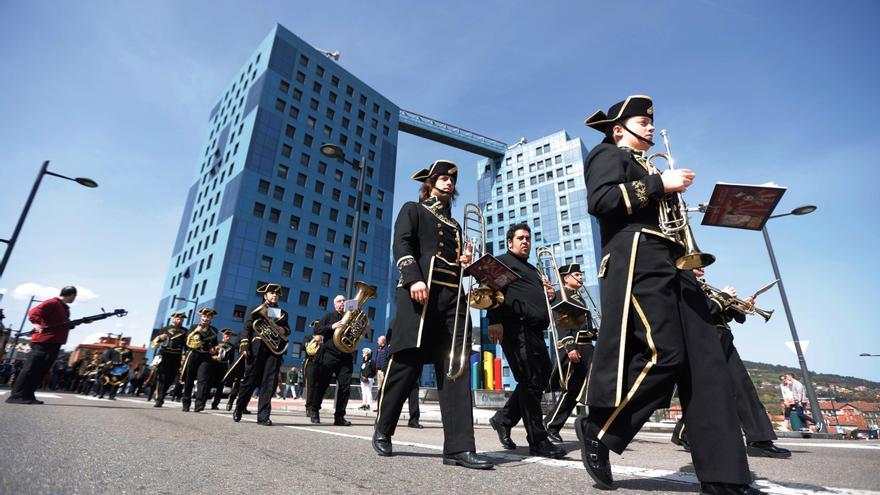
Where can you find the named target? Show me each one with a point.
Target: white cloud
(26, 290)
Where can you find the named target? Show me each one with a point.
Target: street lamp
(195, 303)
(865, 354)
(808, 382)
(333, 151)
(44, 170)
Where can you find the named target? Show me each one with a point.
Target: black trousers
(261, 370)
(233, 393)
(165, 375)
(529, 362)
(109, 389)
(671, 340)
(752, 415)
(34, 370)
(217, 382)
(338, 365)
(575, 390)
(405, 367)
(198, 371)
(311, 378)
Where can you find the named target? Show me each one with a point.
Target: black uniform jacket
(173, 343)
(324, 328)
(248, 334)
(623, 196)
(525, 302)
(427, 244)
(570, 339)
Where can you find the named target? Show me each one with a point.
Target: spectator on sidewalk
(368, 373)
(383, 352)
(794, 396)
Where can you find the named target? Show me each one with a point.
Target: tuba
(313, 345)
(194, 339)
(274, 337)
(355, 323)
(674, 217)
(569, 315)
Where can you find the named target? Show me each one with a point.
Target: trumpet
(477, 296)
(570, 315)
(739, 305)
(674, 217)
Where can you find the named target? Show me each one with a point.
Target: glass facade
(541, 183)
(265, 205)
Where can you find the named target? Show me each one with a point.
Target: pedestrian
(332, 362)
(45, 345)
(656, 328)
(518, 324)
(383, 352)
(796, 402)
(428, 251)
(367, 374)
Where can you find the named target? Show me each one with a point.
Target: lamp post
(865, 354)
(808, 382)
(44, 170)
(334, 151)
(195, 303)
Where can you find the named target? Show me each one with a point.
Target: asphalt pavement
(78, 444)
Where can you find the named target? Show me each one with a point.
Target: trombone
(674, 217)
(594, 309)
(570, 315)
(474, 235)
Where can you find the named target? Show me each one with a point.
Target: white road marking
(38, 394)
(661, 474)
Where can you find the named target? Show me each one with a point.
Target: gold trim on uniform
(625, 319)
(660, 235)
(629, 208)
(446, 284)
(641, 193)
(603, 266)
(650, 364)
(425, 306)
(382, 390)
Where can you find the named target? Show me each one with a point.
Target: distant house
(843, 417)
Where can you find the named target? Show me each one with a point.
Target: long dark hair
(428, 185)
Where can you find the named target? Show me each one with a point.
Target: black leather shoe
(728, 489)
(36, 401)
(185, 409)
(415, 424)
(315, 418)
(382, 444)
(246, 411)
(546, 448)
(554, 436)
(767, 449)
(158, 404)
(341, 422)
(18, 400)
(594, 454)
(229, 406)
(503, 434)
(682, 443)
(268, 422)
(469, 460)
(236, 415)
(199, 409)
(214, 408)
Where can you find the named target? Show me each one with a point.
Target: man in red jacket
(44, 345)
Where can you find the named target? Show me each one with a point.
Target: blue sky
(753, 92)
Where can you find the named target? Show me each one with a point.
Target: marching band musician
(201, 342)
(657, 331)
(427, 247)
(752, 414)
(519, 325)
(120, 354)
(310, 375)
(221, 362)
(576, 346)
(169, 343)
(331, 361)
(262, 363)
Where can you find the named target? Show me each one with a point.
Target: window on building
(274, 215)
(294, 222)
(303, 298)
(290, 246)
(307, 274)
(280, 105)
(238, 312)
(325, 279)
(269, 240)
(266, 264)
(286, 269)
(328, 256)
(259, 209)
(263, 187)
(313, 229)
(278, 193)
(334, 214)
(298, 200)
(310, 251)
(316, 207)
(282, 171)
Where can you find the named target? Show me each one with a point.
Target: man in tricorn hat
(223, 359)
(263, 353)
(428, 249)
(656, 327)
(201, 343)
(169, 345)
(575, 349)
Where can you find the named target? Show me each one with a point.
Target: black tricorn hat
(440, 167)
(632, 106)
(569, 269)
(227, 331)
(270, 287)
(208, 311)
(180, 314)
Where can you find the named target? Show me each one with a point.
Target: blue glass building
(540, 182)
(265, 205)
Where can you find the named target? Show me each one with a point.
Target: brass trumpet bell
(485, 298)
